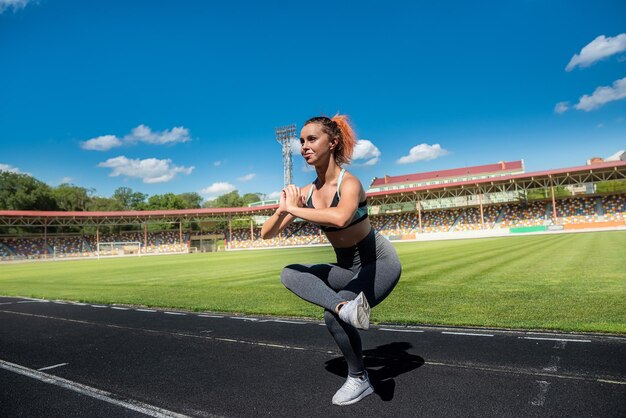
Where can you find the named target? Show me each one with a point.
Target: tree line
(19, 191)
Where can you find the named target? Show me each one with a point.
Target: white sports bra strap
(343, 170)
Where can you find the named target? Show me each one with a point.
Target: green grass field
(572, 282)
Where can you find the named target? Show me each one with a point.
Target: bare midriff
(350, 236)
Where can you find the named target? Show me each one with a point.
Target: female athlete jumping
(367, 267)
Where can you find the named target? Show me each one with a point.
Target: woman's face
(315, 144)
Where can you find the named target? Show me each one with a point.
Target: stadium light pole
(284, 135)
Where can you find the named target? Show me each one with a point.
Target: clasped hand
(290, 198)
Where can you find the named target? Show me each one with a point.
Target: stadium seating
(573, 210)
(577, 210)
(299, 233)
(470, 220)
(439, 220)
(71, 246)
(614, 208)
(531, 214)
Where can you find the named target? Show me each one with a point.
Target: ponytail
(347, 139)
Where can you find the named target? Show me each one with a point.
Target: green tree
(233, 200)
(228, 200)
(250, 198)
(128, 199)
(167, 201)
(192, 200)
(104, 204)
(611, 186)
(72, 198)
(541, 194)
(23, 192)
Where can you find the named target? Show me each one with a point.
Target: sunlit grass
(573, 282)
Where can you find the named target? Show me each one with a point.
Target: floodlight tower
(284, 135)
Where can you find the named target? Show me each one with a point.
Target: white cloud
(618, 156)
(141, 133)
(101, 143)
(150, 170)
(295, 145)
(217, 163)
(561, 107)
(366, 150)
(15, 4)
(274, 195)
(218, 188)
(247, 177)
(66, 180)
(423, 152)
(599, 48)
(10, 168)
(603, 95)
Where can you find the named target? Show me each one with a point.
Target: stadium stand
(570, 211)
(296, 234)
(72, 246)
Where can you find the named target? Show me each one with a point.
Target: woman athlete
(367, 267)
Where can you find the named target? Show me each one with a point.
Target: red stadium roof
(138, 213)
(501, 167)
(608, 170)
(565, 172)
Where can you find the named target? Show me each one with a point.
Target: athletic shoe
(355, 389)
(356, 312)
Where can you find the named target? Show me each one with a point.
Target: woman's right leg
(310, 282)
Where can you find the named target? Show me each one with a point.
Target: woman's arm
(339, 216)
(275, 224)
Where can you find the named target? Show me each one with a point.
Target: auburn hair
(338, 127)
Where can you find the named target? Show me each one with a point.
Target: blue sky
(164, 96)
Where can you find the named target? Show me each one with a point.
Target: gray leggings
(372, 267)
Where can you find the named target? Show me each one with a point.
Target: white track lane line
(210, 316)
(98, 306)
(555, 339)
(173, 313)
(119, 308)
(400, 330)
(178, 334)
(471, 334)
(145, 310)
(52, 367)
(131, 404)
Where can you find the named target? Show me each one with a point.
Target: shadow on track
(383, 363)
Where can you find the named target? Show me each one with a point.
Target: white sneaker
(355, 389)
(356, 312)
